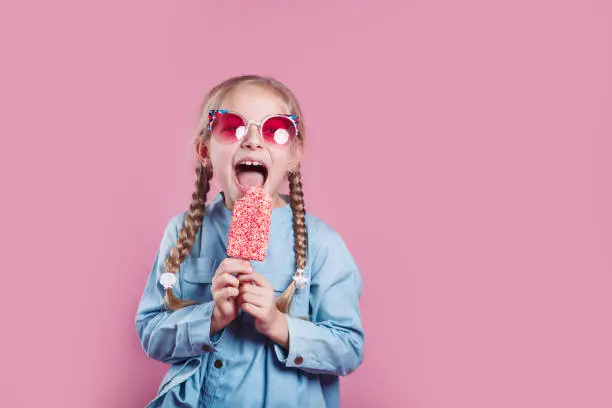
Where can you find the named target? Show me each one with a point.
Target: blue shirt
(238, 366)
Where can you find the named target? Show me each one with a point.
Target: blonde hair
(195, 216)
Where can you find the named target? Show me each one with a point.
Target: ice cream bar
(250, 228)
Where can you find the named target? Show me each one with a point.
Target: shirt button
(299, 360)
(218, 364)
(206, 347)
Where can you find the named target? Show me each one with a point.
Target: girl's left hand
(256, 297)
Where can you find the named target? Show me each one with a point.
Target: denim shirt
(238, 366)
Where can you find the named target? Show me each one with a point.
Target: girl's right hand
(225, 291)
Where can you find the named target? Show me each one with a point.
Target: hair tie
(167, 280)
(300, 278)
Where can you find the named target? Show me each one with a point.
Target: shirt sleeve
(332, 343)
(166, 335)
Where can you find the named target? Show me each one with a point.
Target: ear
(201, 151)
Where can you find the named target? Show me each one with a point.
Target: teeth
(251, 163)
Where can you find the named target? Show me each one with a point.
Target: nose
(252, 140)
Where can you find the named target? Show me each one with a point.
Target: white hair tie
(167, 280)
(300, 278)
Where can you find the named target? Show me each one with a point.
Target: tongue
(250, 178)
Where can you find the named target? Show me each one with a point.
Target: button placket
(214, 373)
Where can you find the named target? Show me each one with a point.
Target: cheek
(281, 165)
(221, 158)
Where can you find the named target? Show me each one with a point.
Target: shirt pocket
(278, 282)
(299, 302)
(197, 274)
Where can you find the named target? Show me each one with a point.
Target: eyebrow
(248, 118)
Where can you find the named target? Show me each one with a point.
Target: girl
(276, 333)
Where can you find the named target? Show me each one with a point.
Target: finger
(229, 292)
(253, 310)
(224, 280)
(233, 265)
(253, 299)
(255, 277)
(256, 290)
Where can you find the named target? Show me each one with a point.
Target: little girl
(276, 333)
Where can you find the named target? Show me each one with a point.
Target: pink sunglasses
(231, 127)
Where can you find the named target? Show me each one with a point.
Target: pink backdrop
(462, 149)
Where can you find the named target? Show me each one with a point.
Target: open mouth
(250, 173)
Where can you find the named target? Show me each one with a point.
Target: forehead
(254, 102)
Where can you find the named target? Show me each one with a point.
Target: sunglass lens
(278, 130)
(228, 127)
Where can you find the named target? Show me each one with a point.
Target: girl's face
(253, 103)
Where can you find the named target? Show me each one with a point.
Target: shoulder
(319, 231)
(171, 230)
(327, 247)
(176, 221)
(214, 213)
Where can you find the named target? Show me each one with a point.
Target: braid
(300, 235)
(193, 221)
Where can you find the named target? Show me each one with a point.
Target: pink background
(462, 149)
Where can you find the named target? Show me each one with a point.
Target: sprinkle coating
(250, 227)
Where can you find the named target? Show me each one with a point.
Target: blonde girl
(277, 333)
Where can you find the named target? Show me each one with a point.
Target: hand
(225, 291)
(257, 299)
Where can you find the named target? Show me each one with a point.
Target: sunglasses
(231, 127)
